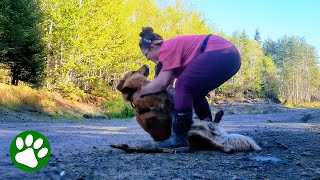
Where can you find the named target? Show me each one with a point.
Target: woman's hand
(160, 83)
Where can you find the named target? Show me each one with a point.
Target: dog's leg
(218, 116)
(241, 143)
(221, 147)
(197, 142)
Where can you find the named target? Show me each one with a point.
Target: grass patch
(66, 105)
(19, 96)
(65, 116)
(117, 108)
(55, 105)
(308, 105)
(303, 105)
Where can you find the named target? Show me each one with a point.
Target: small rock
(306, 154)
(282, 146)
(317, 177)
(239, 178)
(54, 170)
(265, 144)
(197, 176)
(306, 174)
(300, 164)
(306, 118)
(52, 164)
(95, 116)
(266, 159)
(269, 121)
(258, 176)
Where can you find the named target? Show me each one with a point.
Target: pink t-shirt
(176, 53)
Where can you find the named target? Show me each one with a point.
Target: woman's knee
(182, 84)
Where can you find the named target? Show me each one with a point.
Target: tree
(90, 43)
(257, 36)
(249, 78)
(21, 45)
(298, 68)
(270, 85)
(269, 47)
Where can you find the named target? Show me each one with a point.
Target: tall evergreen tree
(257, 36)
(20, 36)
(297, 65)
(269, 47)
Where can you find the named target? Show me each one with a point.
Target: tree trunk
(15, 75)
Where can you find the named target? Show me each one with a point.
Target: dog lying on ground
(206, 135)
(154, 111)
(154, 115)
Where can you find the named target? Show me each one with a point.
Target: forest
(85, 46)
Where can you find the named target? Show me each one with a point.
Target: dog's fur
(154, 111)
(206, 135)
(154, 114)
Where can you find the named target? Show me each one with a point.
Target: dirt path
(80, 150)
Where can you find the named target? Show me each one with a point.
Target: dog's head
(132, 81)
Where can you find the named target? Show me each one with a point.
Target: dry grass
(52, 103)
(306, 105)
(300, 105)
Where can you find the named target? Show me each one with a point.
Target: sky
(273, 18)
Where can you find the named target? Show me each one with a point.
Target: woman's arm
(160, 83)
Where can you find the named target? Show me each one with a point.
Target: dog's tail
(241, 143)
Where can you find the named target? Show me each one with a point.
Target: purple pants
(206, 72)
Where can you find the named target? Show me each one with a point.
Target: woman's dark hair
(148, 37)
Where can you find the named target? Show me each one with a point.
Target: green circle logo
(30, 151)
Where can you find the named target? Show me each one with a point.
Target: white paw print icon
(31, 149)
(27, 157)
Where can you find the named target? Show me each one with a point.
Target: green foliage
(88, 44)
(91, 42)
(269, 47)
(298, 70)
(20, 40)
(286, 68)
(117, 108)
(71, 88)
(249, 80)
(4, 74)
(270, 86)
(257, 36)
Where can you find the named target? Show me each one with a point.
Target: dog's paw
(227, 149)
(218, 116)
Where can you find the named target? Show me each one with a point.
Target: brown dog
(154, 111)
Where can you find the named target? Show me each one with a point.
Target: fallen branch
(148, 150)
